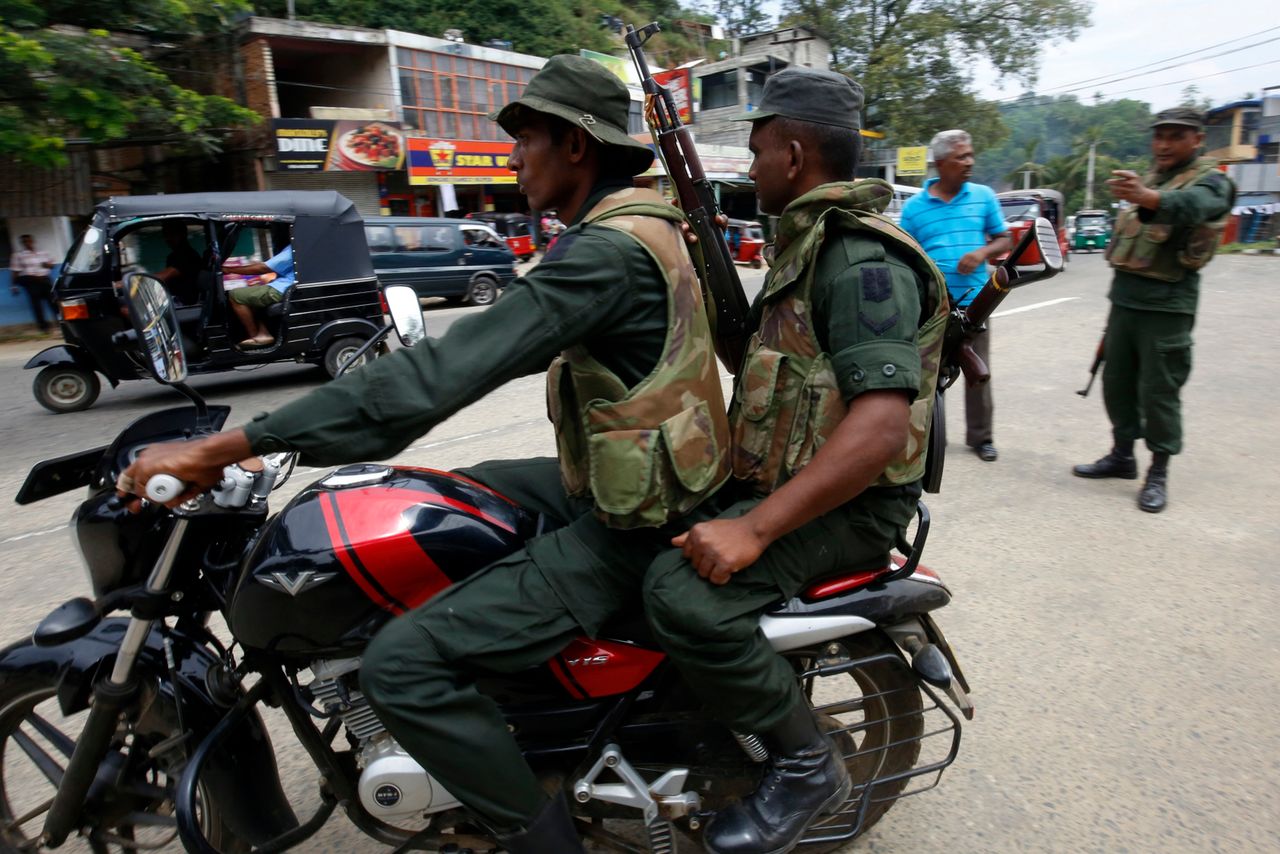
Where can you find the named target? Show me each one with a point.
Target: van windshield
(86, 255)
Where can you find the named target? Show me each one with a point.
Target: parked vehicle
(334, 307)
(1093, 230)
(512, 227)
(460, 259)
(173, 739)
(901, 192)
(746, 242)
(1021, 208)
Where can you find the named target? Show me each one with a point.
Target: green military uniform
(863, 289)
(1157, 256)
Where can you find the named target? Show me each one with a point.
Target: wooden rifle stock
(727, 306)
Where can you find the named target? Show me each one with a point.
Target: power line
(1120, 79)
(1166, 59)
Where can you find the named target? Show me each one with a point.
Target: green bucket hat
(585, 94)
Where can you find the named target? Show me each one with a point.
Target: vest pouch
(692, 451)
(1200, 247)
(621, 472)
(755, 414)
(561, 400)
(821, 410)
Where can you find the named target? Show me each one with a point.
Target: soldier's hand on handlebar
(198, 464)
(721, 547)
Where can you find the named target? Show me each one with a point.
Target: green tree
(912, 56)
(70, 73)
(742, 16)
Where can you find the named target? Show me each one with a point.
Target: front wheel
(131, 808)
(339, 351)
(66, 388)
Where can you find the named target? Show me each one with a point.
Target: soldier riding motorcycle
(133, 730)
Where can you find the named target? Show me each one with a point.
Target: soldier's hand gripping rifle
(720, 283)
(1021, 267)
(1098, 358)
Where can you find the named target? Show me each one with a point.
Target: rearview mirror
(406, 314)
(1037, 255)
(159, 339)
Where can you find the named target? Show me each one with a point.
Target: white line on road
(1034, 306)
(30, 534)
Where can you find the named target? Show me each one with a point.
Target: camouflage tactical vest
(787, 401)
(651, 453)
(1165, 252)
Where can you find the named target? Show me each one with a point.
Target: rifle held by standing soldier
(1098, 358)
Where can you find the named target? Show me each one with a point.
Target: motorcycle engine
(393, 786)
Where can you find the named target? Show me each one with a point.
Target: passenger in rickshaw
(278, 277)
(181, 273)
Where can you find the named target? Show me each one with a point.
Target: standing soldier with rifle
(1169, 231)
(831, 409)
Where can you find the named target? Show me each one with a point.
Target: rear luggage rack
(939, 743)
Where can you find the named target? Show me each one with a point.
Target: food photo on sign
(356, 146)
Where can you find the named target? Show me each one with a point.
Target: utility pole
(1026, 179)
(1088, 180)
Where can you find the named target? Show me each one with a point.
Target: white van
(901, 192)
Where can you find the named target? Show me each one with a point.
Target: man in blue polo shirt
(279, 274)
(960, 226)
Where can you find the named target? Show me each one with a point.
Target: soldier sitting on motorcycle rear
(830, 418)
(615, 308)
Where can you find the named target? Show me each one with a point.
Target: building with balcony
(1230, 133)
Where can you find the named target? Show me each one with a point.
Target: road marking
(30, 534)
(1034, 306)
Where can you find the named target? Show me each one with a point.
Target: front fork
(110, 696)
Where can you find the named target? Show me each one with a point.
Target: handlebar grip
(163, 488)
(974, 369)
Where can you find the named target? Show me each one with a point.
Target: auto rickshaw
(513, 227)
(1021, 208)
(1093, 230)
(746, 241)
(334, 306)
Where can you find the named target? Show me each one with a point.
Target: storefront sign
(337, 146)
(678, 83)
(458, 161)
(616, 64)
(913, 160)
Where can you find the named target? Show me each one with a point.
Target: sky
(1139, 35)
(1134, 38)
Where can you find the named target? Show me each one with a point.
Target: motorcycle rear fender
(66, 354)
(242, 778)
(880, 604)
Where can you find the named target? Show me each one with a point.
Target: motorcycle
(128, 721)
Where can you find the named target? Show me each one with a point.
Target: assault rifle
(721, 287)
(1037, 256)
(1097, 363)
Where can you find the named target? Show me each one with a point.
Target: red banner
(679, 83)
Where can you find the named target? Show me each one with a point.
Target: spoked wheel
(877, 727)
(130, 803)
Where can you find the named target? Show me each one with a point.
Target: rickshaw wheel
(66, 388)
(337, 353)
(756, 263)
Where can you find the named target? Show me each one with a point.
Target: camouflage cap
(809, 95)
(1185, 116)
(587, 95)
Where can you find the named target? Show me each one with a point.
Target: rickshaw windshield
(86, 255)
(1014, 210)
(1091, 222)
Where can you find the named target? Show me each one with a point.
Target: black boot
(1114, 464)
(550, 832)
(1155, 493)
(805, 779)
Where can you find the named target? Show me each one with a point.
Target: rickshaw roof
(1034, 193)
(282, 203)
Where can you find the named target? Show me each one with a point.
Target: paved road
(1124, 664)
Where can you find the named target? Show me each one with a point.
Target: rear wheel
(483, 290)
(66, 388)
(129, 808)
(339, 351)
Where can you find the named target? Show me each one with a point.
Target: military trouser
(1148, 359)
(712, 632)
(418, 672)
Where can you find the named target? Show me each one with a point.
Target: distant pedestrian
(1171, 229)
(960, 227)
(31, 274)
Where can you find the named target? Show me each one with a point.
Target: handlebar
(238, 487)
(163, 488)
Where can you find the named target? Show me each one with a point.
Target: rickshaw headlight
(74, 309)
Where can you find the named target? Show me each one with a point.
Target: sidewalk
(28, 332)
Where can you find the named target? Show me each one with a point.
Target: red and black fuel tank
(361, 545)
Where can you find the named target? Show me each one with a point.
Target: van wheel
(756, 263)
(66, 388)
(339, 350)
(483, 291)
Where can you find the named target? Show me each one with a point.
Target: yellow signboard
(913, 160)
(618, 65)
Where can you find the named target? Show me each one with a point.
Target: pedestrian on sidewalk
(959, 225)
(31, 274)
(1171, 229)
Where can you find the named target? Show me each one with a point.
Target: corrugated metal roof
(27, 191)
